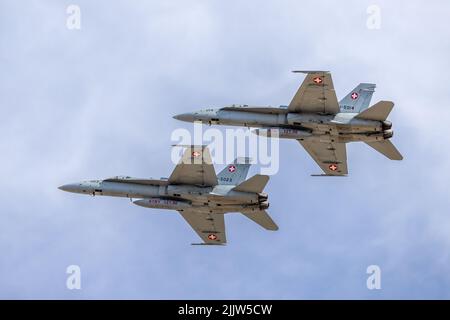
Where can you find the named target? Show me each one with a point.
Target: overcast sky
(98, 102)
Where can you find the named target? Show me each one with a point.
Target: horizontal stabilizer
(379, 111)
(386, 148)
(262, 218)
(255, 184)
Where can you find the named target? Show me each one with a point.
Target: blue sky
(99, 101)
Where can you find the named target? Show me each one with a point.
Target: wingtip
(310, 71)
(274, 228)
(192, 146)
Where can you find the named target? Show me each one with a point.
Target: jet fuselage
(342, 127)
(221, 198)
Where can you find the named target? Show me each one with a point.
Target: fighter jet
(316, 119)
(195, 191)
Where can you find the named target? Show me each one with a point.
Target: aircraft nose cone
(71, 187)
(184, 117)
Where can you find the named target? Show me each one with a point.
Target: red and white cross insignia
(354, 96)
(333, 167)
(317, 80)
(212, 237)
(232, 168)
(196, 154)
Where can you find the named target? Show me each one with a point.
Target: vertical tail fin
(358, 99)
(234, 173)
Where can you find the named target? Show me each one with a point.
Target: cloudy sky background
(99, 101)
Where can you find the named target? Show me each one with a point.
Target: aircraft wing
(209, 226)
(195, 167)
(315, 95)
(330, 156)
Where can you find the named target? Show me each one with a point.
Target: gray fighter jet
(316, 119)
(194, 190)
